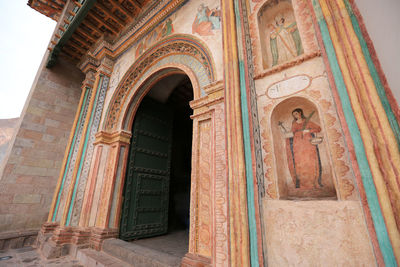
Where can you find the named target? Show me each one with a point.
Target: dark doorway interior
(176, 92)
(181, 157)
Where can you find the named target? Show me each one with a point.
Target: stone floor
(175, 243)
(28, 257)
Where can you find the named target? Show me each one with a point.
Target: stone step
(92, 258)
(139, 256)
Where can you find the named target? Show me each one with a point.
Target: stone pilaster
(110, 198)
(238, 215)
(208, 242)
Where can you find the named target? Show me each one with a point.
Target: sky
(25, 35)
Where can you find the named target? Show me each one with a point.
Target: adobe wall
(31, 167)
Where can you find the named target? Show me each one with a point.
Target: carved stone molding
(288, 64)
(90, 78)
(175, 45)
(215, 95)
(110, 138)
(88, 62)
(214, 87)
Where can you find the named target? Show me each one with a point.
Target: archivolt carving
(175, 45)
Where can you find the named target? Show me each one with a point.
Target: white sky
(25, 34)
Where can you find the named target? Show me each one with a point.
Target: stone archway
(182, 52)
(102, 204)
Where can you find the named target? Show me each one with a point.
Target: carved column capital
(106, 65)
(90, 78)
(215, 95)
(111, 138)
(88, 63)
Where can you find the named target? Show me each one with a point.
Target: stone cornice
(215, 95)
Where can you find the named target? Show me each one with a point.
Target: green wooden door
(146, 192)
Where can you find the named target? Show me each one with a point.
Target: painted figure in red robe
(206, 20)
(303, 153)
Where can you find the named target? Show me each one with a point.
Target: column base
(45, 233)
(56, 241)
(100, 234)
(51, 250)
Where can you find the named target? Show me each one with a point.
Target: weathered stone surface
(140, 256)
(29, 257)
(32, 166)
(93, 258)
(26, 198)
(16, 239)
(5, 220)
(50, 250)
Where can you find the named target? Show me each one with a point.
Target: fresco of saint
(206, 20)
(284, 40)
(302, 151)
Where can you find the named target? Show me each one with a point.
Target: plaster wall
(381, 20)
(31, 167)
(317, 233)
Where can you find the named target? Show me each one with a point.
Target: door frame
(112, 145)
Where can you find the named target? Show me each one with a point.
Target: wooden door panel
(146, 193)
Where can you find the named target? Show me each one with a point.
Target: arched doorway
(157, 185)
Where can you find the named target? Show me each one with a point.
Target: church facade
(264, 129)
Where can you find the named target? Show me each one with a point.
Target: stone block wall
(31, 167)
(17, 239)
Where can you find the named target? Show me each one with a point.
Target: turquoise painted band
(71, 204)
(83, 106)
(247, 144)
